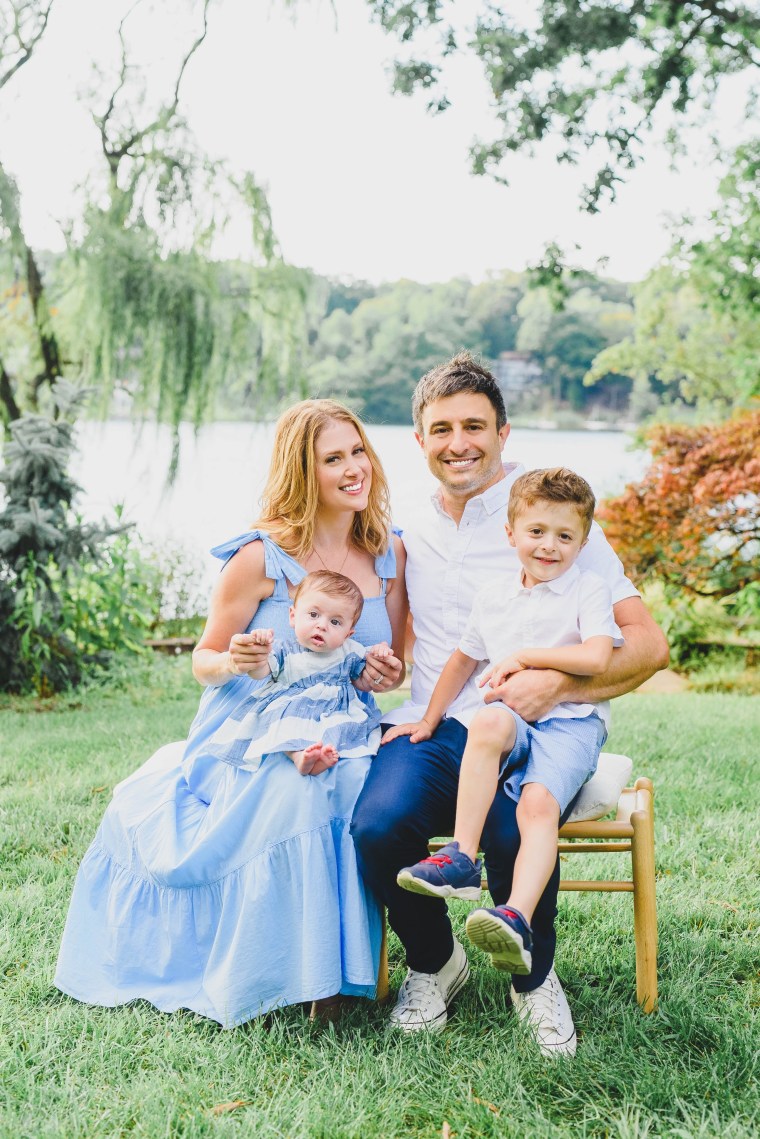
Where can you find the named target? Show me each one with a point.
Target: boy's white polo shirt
(507, 616)
(446, 566)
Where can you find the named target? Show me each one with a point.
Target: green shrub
(72, 594)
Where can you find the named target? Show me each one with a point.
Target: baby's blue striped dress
(309, 698)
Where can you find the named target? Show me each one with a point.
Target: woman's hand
(417, 732)
(249, 652)
(382, 670)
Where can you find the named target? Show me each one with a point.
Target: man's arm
(533, 692)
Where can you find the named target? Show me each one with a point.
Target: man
(410, 794)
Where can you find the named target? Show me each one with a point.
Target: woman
(229, 891)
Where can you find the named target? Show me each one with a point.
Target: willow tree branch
(24, 45)
(114, 152)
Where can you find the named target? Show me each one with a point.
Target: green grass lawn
(688, 1070)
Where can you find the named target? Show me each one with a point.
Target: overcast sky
(362, 184)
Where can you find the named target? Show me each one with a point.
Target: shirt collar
(557, 585)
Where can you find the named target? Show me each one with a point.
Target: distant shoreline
(621, 427)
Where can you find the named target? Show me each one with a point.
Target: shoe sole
(418, 886)
(565, 1048)
(506, 947)
(439, 1023)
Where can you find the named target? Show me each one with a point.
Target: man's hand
(249, 651)
(532, 692)
(382, 670)
(417, 732)
(499, 673)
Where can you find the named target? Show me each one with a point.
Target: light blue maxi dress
(226, 891)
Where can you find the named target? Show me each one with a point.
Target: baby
(308, 707)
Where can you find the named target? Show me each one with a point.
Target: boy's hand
(248, 651)
(499, 673)
(417, 732)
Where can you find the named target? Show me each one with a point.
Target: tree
(693, 521)
(22, 25)
(593, 76)
(696, 332)
(566, 340)
(142, 303)
(493, 306)
(374, 356)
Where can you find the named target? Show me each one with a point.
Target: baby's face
(321, 622)
(548, 537)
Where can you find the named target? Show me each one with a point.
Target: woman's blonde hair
(291, 495)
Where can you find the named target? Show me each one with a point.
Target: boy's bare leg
(538, 820)
(491, 735)
(314, 759)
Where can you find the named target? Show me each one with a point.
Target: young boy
(547, 615)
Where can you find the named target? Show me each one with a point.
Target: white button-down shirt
(446, 565)
(507, 617)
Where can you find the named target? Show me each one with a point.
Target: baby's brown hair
(335, 584)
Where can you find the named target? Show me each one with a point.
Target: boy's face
(548, 537)
(321, 622)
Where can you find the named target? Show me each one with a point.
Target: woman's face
(344, 472)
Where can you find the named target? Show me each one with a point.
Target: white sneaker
(546, 1012)
(423, 999)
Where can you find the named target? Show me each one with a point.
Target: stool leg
(382, 969)
(644, 898)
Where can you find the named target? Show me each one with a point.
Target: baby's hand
(417, 732)
(262, 636)
(382, 670)
(499, 673)
(382, 651)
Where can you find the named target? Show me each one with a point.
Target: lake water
(223, 469)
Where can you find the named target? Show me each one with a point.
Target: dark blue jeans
(409, 798)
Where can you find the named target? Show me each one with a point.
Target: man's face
(461, 443)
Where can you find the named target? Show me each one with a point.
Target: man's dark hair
(462, 373)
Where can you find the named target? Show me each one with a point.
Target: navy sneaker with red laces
(505, 934)
(448, 874)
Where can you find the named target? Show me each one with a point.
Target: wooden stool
(631, 831)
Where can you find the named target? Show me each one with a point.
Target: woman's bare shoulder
(245, 573)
